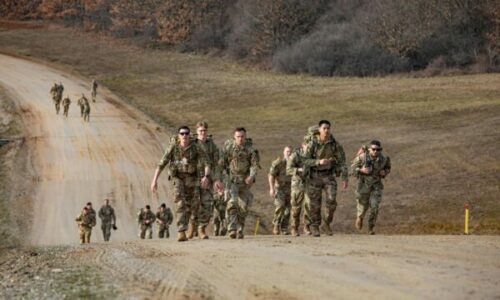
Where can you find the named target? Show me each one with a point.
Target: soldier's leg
(103, 228)
(232, 210)
(288, 208)
(297, 200)
(205, 211)
(142, 235)
(217, 221)
(161, 231)
(82, 235)
(167, 232)
(375, 199)
(192, 194)
(279, 211)
(330, 193)
(149, 231)
(181, 209)
(244, 202)
(313, 201)
(88, 232)
(193, 224)
(223, 221)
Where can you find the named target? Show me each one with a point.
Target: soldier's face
(202, 133)
(162, 209)
(184, 135)
(324, 130)
(287, 152)
(240, 137)
(375, 150)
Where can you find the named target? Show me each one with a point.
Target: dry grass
(442, 133)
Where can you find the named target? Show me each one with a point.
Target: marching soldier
(146, 218)
(86, 220)
(66, 102)
(370, 167)
(93, 88)
(280, 191)
(108, 219)
(164, 219)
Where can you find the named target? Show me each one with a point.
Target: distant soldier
(280, 191)
(296, 167)
(86, 108)
(81, 104)
(370, 167)
(219, 212)
(185, 159)
(202, 207)
(54, 91)
(146, 219)
(66, 102)
(93, 88)
(329, 158)
(241, 161)
(164, 218)
(108, 219)
(85, 221)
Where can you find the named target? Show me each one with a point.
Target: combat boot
(315, 230)
(276, 229)
(232, 234)
(359, 223)
(284, 231)
(326, 228)
(181, 236)
(371, 230)
(307, 230)
(191, 230)
(295, 231)
(223, 231)
(240, 234)
(201, 233)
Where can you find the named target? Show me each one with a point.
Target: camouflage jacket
(212, 156)
(374, 179)
(107, 214)
(190, 161)
(145, 217)
(66, 101)
(164, 218)
(239, 161)
(278, 171)
(86, 220)
(299, 168)
(332, 150)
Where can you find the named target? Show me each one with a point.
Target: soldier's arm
(273, 173)
(217, 171)
(357, 164)
(254, 163)
(341, 162)
(113, 216)
(387, 167)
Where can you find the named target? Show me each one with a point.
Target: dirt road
(115, 155)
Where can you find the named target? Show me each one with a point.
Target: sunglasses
(376, 149)
(184, 133)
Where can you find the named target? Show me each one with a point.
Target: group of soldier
(86, 220)
(208, 181)
(57, 92)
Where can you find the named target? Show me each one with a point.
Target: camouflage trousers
(66, 110)
(202, 208)
(283, 207)
(368, 198)
(237, 206)
(146, 231)
(297, 202)
(58, 106)
(81, 110)
(163, 231)
(318, 185)
(106, 230)
(85, 233)
(220, 227)
(186, 193)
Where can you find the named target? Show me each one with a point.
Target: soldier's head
(148, 207)
(106, 201)
(375, 148)
(324, 128)
(240, 135)
(287, 151)
(163, 206)
(89, 205)
(202, 130)
(183, 133)
(85, 210)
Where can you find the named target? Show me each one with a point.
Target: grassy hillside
(442, 133)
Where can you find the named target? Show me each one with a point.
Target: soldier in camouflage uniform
(329, 159)
(66, 102)
(86, 221)
(93, 89)
(91, 209)
(184, 157)
(370, 168)
(299, 170)
(108, 219)
(280, 191)
(86, 108)
(164, 218)
(146, 219)
(81, 104)
(241, 161)
(202, 207)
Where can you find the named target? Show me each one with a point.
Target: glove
(114, 227)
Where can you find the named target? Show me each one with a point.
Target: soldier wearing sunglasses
(370, 167)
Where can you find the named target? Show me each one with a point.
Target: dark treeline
(320, 37)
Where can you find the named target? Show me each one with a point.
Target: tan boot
(232, 234)
(359, 223)
(191, 230)
(201, 233)
(181, 236)
(326, 228)
(240, 234)
(295, 231)
(276, 229)
(315, 231)
(307, 230)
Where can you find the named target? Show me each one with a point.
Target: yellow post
(257, 224)
(466, 206)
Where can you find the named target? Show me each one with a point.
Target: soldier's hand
(324, 162)
(204, 182)
(365, 170)
(345, 184)
(249, 180)
(154, 186)
(382, 173)
(219, 186)
(272, 192)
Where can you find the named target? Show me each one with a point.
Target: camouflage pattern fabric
(164, 220)
(85, 224)
(282, 199)
(146, 220)
(108, 219)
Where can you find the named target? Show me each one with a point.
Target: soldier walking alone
(93, 88)
(108, 219)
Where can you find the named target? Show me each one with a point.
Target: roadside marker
(466, 206)
(257, 224)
